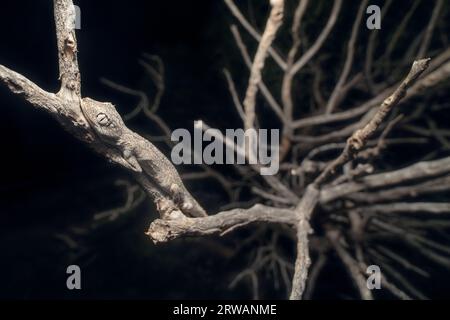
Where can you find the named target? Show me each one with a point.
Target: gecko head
(104, 119)
(109, 125)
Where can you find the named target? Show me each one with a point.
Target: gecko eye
(103, 120)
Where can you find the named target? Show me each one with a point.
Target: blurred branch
(251, 30)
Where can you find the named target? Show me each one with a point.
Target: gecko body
(140, 155)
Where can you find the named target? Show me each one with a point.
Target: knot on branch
(159, 231)
(70, 45)
(357, 141)
(167, 209)
(169, 228)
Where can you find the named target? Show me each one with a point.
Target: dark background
(50, 182)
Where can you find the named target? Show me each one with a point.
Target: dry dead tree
(357, 206)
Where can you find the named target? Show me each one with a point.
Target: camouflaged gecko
(140, 155)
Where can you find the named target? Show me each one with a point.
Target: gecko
(140, 155)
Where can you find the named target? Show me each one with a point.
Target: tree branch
(175, 226)
(69, 74)
(421, 170)
(360, 137)
(251, 30)
(273, 24)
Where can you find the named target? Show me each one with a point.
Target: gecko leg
(131, 159)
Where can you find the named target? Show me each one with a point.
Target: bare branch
(302, 262)
(351, 265)
(430, 27)
(348, 60)
(359, 138)
(273, 24)
(234, 94)
(251, 30)
(320, 40)
(316, 269)
(262, 86)
(286, 87)
(409, 208)
(416, 171)
(67, 49)
(426, 82)
(178, 225)
(23, 87)
(433, 185)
